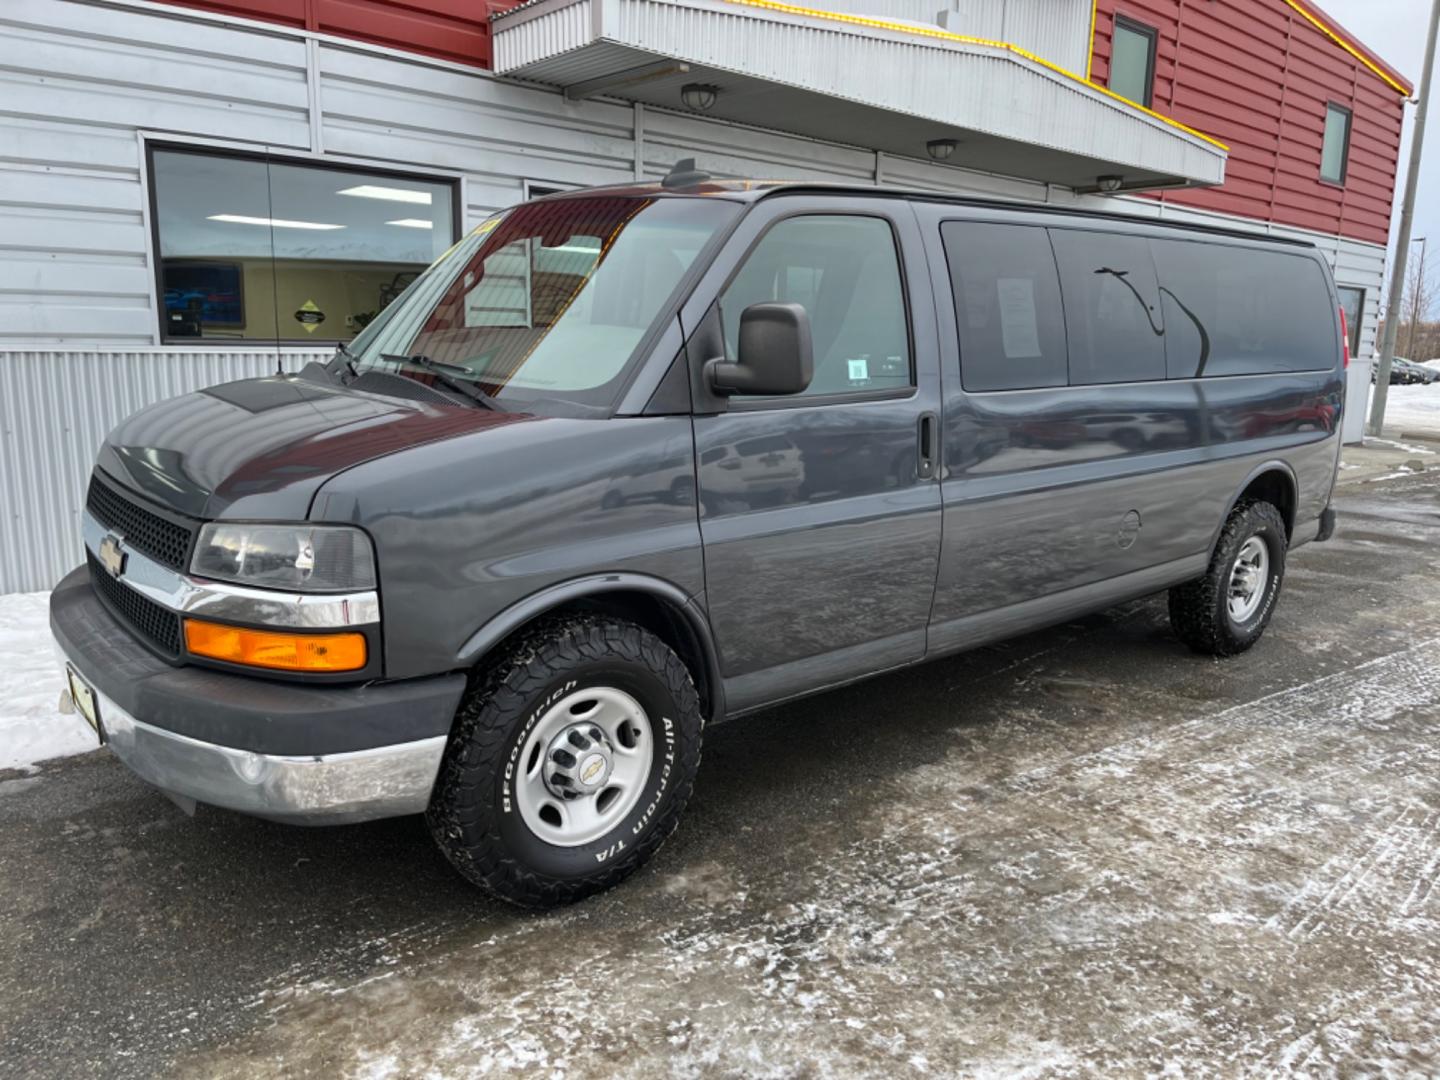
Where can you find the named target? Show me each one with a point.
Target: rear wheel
(570, 762)
(1226, 611)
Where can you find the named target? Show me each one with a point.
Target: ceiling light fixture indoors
(412, 223)
(699, 96)
(274, 223)
(940, 149)
(391, 194)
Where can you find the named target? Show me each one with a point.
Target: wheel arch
(661, 607)
(1272, 481)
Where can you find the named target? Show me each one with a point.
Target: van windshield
(547, 303)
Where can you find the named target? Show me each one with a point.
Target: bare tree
(1415, 339)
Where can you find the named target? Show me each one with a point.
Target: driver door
(820, 511)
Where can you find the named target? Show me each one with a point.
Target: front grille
(165, 541)
(156, 624)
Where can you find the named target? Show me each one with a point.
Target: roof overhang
(877, 84)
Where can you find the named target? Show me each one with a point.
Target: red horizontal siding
(1257, 75)
(450, 29)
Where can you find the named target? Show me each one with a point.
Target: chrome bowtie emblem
(112, 554)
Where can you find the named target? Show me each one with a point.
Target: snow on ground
(1413, 410)
(31, 726)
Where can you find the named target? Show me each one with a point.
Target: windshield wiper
(439, 368)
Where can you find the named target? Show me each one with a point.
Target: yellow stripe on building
(965, 39)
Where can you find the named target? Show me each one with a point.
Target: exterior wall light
(940, 149)
(1109, 183)
(699, 96)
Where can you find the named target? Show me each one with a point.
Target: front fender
(597, 586)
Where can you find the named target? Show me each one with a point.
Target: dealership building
(199, 191)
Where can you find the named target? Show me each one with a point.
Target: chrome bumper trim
(235, 603)
(330, 789)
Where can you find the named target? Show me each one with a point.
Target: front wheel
(1226, 611)
(570, 761)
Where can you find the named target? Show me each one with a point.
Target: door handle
(929, 456)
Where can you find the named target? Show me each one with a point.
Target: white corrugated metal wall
(55, 408)
(84, 82)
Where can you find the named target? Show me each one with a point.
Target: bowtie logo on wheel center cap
(592, 770)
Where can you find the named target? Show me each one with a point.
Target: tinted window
(1007, 306)
(1112, 307)
(1243, 311)
(846, 274)
(1132, 61)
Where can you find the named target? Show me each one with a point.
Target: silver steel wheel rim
(571, 813)
(1248, 579)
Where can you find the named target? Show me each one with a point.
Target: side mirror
(775, 353)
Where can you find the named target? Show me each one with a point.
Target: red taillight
(1345, 336)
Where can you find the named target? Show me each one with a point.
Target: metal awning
(874, 83)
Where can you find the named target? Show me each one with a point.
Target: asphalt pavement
(1082, 852)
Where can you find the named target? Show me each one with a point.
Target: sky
(1395, 30)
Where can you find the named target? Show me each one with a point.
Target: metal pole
(1415, 313)
(1407, 219)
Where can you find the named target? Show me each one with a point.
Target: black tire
(472, 814)
(1199, 609)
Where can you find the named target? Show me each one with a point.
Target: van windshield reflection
(549, 301)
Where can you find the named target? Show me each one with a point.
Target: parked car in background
(628, 461)
(1405, 372)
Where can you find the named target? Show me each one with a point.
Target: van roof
(750, 191)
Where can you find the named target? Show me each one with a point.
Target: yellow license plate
(85, 703)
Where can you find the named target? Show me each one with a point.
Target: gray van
(630, 460)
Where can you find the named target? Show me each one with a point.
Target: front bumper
(327, 789)
(302, 754)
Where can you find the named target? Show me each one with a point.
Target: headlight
(296, 558)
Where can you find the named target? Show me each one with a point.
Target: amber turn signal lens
(271, 649)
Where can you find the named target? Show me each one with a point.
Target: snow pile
(31, 726)
(1413, 410)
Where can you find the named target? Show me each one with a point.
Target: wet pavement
(1082, 852)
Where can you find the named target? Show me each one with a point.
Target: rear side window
(1112, 307)
(1243, 311)
(845, 272)
(1007, 306)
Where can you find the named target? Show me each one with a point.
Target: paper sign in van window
(1019, 327)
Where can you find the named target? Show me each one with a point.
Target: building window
(1132, 60)
(1335, 153)
(251, 248)
(1353, 301)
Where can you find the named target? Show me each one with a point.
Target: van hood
(259, 449)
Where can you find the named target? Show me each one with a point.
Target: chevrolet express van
(627, 461)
